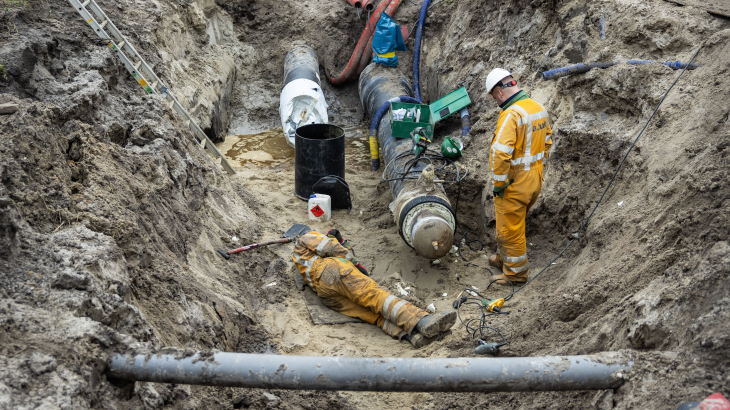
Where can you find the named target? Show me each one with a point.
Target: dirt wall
(657, 245)
(110, 215)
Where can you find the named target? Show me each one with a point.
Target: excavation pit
(110, 214)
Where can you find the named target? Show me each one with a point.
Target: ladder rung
(114, 35)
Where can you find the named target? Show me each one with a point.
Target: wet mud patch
(269, 149)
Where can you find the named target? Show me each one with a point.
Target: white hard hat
(495, 76)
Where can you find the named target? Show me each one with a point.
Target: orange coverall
(519, 147)
(326, 268)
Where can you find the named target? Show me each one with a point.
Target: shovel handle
(256, 245)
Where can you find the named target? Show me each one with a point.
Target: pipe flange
(433, 204)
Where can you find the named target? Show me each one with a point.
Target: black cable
(429, 156)
(465, 237)
(576, 235)
(479, 324)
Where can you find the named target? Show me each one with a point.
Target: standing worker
(519, 150)
(331, 270)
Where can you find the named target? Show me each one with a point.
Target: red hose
(353, 3)
(352, 65)
(367, 53)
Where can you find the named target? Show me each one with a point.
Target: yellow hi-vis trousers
(345, 289)
(510, 214)
(520, 146)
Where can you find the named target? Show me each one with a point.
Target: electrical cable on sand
(576, 235)
(482, 319)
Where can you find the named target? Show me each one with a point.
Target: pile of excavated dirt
(110, 215)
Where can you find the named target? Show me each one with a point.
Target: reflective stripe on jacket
(312, 246)
(522, 138)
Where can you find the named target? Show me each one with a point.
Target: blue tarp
(387, 38)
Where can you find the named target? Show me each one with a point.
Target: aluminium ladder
(142, 73)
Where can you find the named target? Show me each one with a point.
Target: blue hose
(583, 68)
(417, 50)
(674, 65)
(574, 69)
(602, 27)
(373, 134)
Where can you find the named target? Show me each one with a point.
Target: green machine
(407, 117)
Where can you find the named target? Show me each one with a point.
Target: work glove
(362, 269)
(334, 233)
(499, 191)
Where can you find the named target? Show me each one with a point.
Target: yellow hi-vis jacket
(309, 252)
(521, 140)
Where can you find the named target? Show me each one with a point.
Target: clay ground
(110, 216)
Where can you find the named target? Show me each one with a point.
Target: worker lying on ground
(330, 268)
(518, 151)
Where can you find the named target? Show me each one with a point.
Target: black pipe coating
(379, 84)
(301, 62)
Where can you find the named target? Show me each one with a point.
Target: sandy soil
(602, 294)
(110, 216)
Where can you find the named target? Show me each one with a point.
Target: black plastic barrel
(320, 151)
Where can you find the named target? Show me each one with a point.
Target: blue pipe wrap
(417, 50)
(674, 65)
(602, 27)
(584, 68)
(574, 69)
(465, 123)
(375, 163)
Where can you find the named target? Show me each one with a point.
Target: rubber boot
(417, 340)
(496, 261)
(501, 280)
(431, 325)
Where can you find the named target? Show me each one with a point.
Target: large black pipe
(601, 371)
(378, 85)
(426, 221)
(301, 85)
(301, 62)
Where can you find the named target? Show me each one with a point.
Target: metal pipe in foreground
(467, 374)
